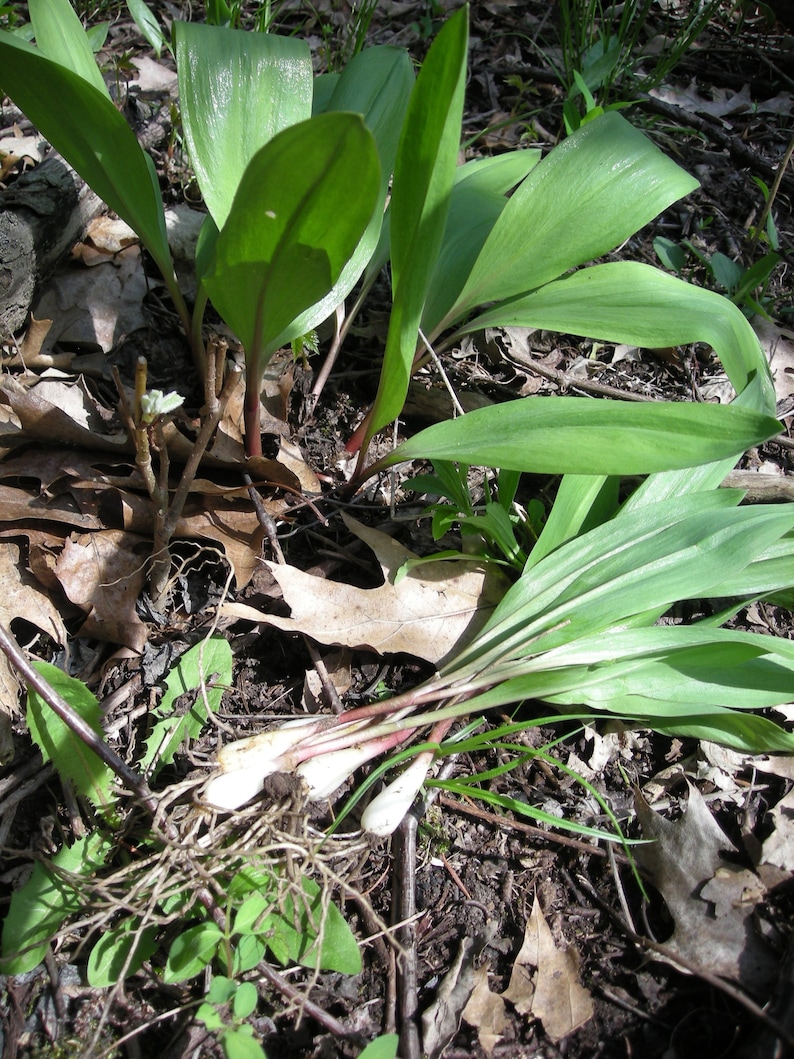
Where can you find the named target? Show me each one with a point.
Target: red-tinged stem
(253, 436)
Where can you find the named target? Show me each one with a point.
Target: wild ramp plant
(455, 244)
(275, 152)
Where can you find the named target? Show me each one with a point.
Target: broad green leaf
(376, 83)
(476, 202)
(46, 901)
(237, 90)
(742, 731)
(191, 952)
(249, 951)
(575, 435)
(769, 573)
(424, 173)
(288, 942)
(286, 240)
(112, 950)
(384, 1047)
(60, 36)
(338, 950)
(245, 1000)
(84, 126)
(90, 776)
(586, 197)
(625, 301)
(207, 664)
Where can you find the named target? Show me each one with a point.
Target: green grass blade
(586, 197)
(237, 90)
(423, 176)
(572, 435)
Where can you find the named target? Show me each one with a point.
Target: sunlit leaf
(237, 90)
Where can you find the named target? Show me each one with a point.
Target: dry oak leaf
(432, 613)
(485, 1011)
(711, 900)
(553, 994)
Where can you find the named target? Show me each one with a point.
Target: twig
(72, 718)
(404, 913)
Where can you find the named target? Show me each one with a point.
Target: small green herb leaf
(191, 952)
(112, 951)
(46, 901)
(72, 758)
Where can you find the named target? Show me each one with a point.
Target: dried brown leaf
(485, 1011)
(22, 597)
(431, 613)
(554, 995)
(710, 900)
(103, 574)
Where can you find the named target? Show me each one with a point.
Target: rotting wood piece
(42, 215)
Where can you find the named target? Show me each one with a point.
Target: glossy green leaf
(377, 84)
(586, 197)
(576, 435)
(286, 240)
(423, 177)
(625, 301)
(82, 124)
(60, 36)
(237, 90)
(191, 952)
(477, 200)
(46, 901)
(57, 742)
(122, 950)
(207, 664)
(582, 503)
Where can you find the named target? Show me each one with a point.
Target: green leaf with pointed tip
(377, 84)
(576, 435)
(60, 36)
(237, 90)
(146, 22)
(586, 197)
(57, 742)
(423, 177)
(477, 200)
(287, 240)
(625, 301)
(84, 126)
